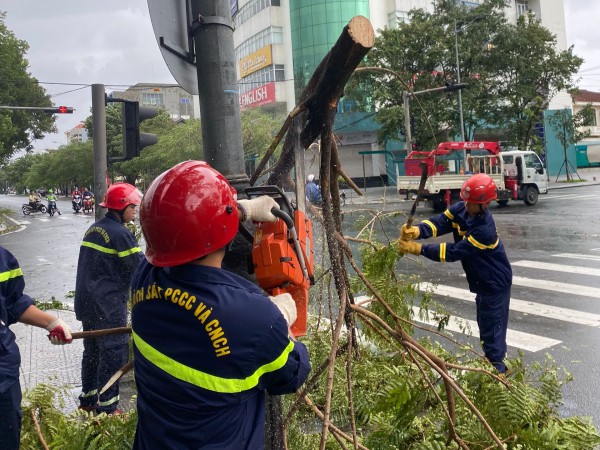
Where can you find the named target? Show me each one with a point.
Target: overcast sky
(77, 43)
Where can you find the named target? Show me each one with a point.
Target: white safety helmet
(310, 178)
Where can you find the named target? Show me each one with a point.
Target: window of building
(152, 99)
(263, 76)
(252, 8)
(522, 7)
(268, 36)
(397, 17)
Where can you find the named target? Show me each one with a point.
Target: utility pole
(212, 28)
(99, 129)
(460, 107)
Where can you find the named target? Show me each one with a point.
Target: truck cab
(524, 176)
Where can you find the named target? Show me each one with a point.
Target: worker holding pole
(481, 252)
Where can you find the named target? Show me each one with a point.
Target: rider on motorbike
(52, 199)
(76, 200)
(88, 195)
(34, 200)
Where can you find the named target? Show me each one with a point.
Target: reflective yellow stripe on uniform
(111, 251)
(443, 252)
(432, 226)
(448, 214)
(5, 276)
(458, 230)
(477, 244)
(205, 380)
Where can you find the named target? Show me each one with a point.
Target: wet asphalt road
(554, 248)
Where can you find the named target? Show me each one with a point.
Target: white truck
(519, 175)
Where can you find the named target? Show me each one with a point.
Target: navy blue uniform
(479, 249)
(207, 344)
(108, 257)
(13, 304)
(313, 193)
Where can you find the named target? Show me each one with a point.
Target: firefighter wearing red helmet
(477, 246)
(207, 343)
(108, 257)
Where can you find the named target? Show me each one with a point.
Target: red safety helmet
(479, 189)
(120, 195)
(188, 212)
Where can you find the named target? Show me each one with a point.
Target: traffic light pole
(212, 28)
(99, 130)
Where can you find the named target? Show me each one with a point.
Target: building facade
(177, 102)
(279, 43)
(77, 134)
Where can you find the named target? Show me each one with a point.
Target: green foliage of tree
(18, 128)
(176, 143)
(16, 172)
(114, 129)
(513, 71)
(568, 128)
(258, 130)
(77, 430)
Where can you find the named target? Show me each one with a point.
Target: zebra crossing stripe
(555, 286)
(517, 339)
(577, 256)
(569, 196)
(557, 267)
(522, 306)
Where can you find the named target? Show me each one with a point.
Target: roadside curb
(5, 229)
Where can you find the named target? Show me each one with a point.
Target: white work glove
(60, 333)
(258, 209)
(287, 306)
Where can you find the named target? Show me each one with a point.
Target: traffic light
(59, 110)
(133, 140)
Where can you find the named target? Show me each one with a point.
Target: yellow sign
(256, 61)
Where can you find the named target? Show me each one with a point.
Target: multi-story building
(588, 150)
(170, 97)
(77, 134)
(279, 43)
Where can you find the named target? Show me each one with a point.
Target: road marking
(555, 286)
(517, 339)
(552, 197)
(557, 267)
(523, 306)
(578, 256)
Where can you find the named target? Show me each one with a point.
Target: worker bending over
(479, 249)
(207, 342)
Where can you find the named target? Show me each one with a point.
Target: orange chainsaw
(282, 253)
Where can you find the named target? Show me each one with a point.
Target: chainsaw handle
(280, 214)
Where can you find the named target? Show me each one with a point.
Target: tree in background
(568, 129)
(178, 141)
(19, 88)
(513, 71)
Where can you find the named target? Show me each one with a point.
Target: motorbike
(88, 205)
(52, 209)
(28, 209)
(76, 203)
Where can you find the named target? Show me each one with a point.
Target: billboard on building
(259, 96)
(256, 61)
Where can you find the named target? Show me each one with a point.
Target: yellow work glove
(409, 233)
(405, 246)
